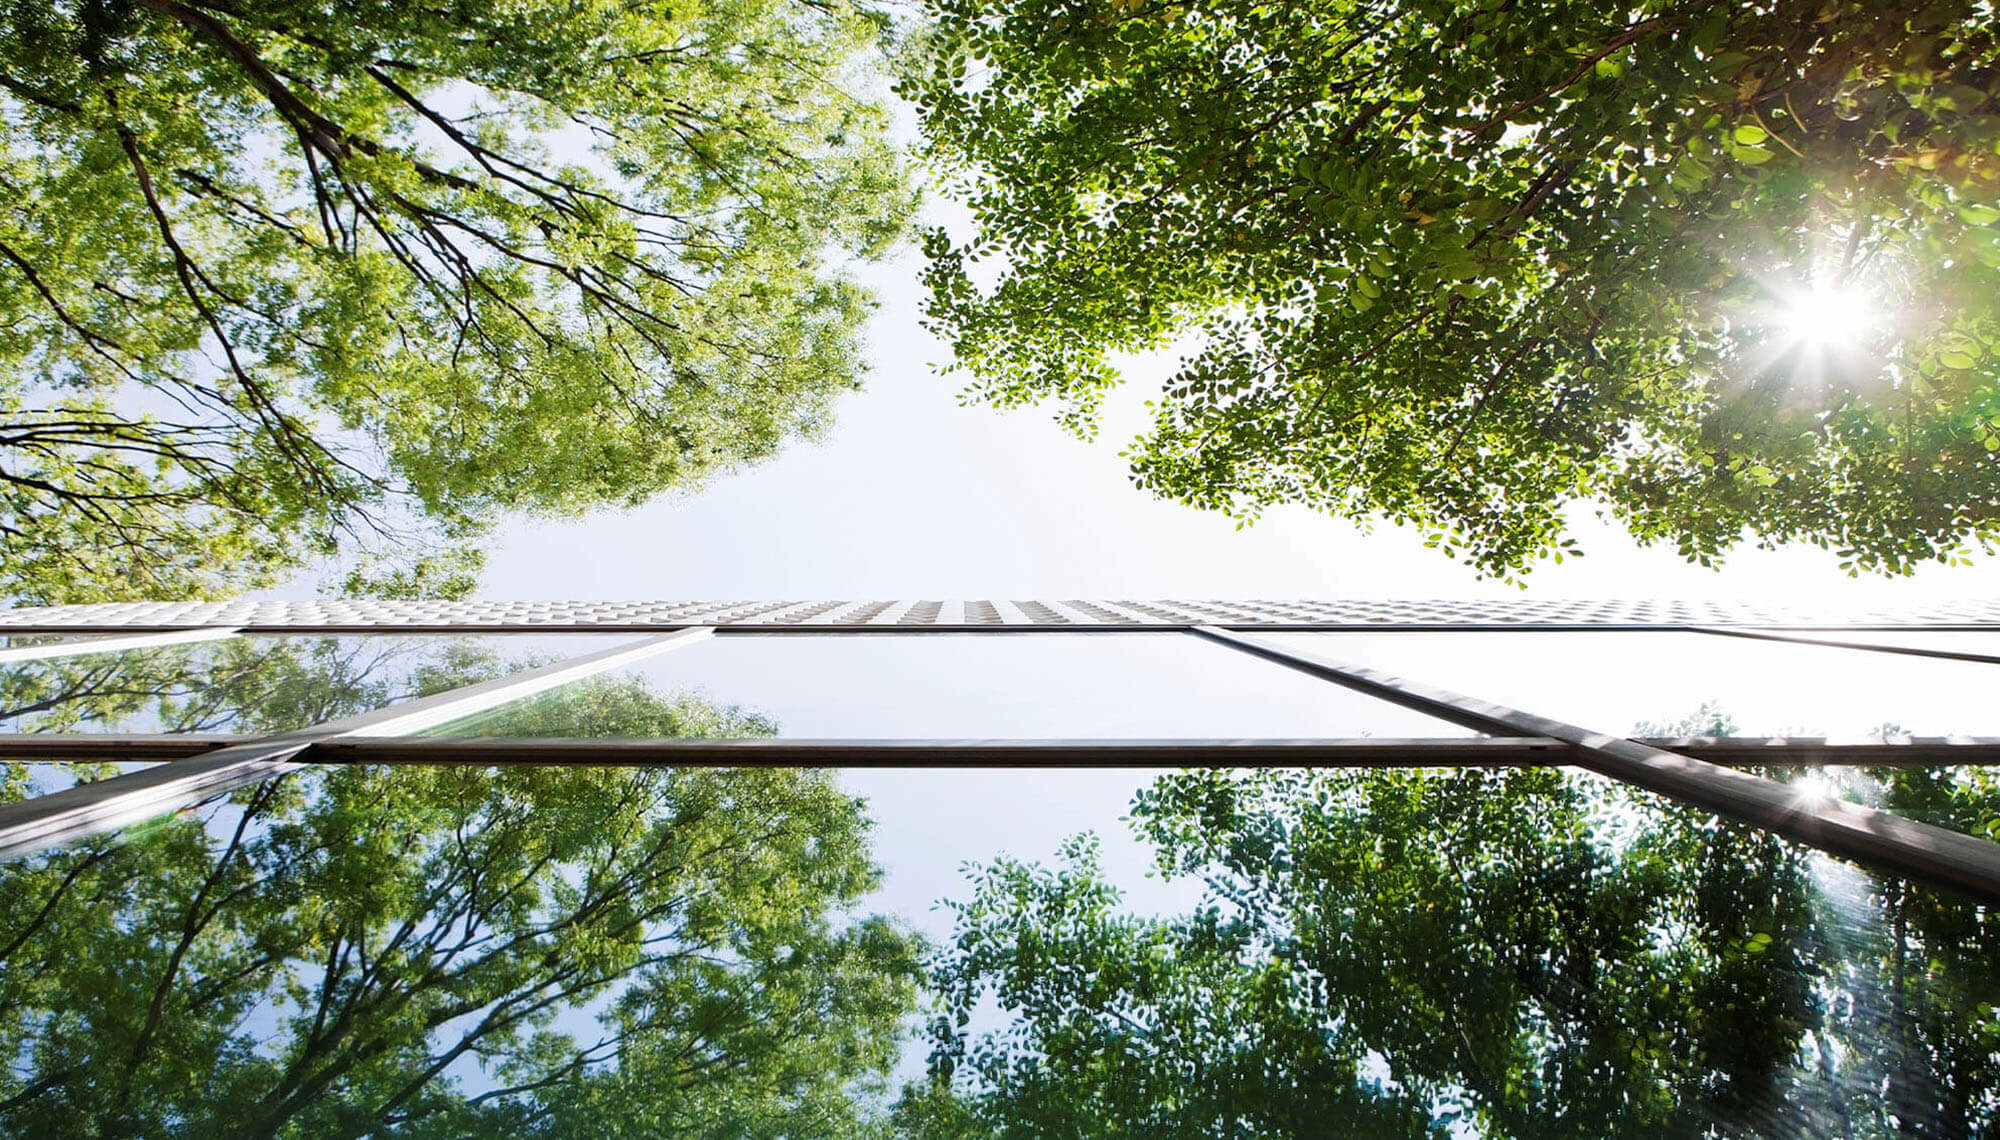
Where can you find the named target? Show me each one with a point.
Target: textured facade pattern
(1043, 613)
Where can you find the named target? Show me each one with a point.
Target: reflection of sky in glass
(1613, 682)
(1021, 685)
(45, 776)
(1171, 685)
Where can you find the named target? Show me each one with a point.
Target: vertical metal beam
(79, 646)
(106, 805)
(1875, 839)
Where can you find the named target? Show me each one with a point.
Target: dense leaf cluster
(1460, 265)
(284, 280)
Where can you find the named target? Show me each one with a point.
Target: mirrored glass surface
(259, 685)
(1670, 684)
(1017, 685)
(25, 778)
(1964, 798)
(1464, 954)
(456, 952)
(27, 640)
(1410, 953)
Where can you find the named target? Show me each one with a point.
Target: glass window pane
(23, 640)
(1887, 990)
(259, 685)
(1002, 686)
(27, 778)
(1456, 953)
(1671, 683)
(1964, 798)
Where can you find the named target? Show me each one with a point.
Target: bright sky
(914, 496)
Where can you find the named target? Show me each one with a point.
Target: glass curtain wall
(567, 883)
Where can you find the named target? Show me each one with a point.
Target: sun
(1815, 790)
(1824, 315)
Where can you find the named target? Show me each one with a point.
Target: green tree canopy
(454, 951)
(1434, 954)
(1460, 265)
(284, 279)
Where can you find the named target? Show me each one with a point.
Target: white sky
(915, 496)
(912, 495)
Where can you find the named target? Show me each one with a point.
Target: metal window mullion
(1010, 614)
(1875, 839)
(778, 615)
(1136, 617)
(843, 614)
(1070, 614)
(90, 809)
(893, 614)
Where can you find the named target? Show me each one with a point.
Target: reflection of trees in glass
(615, 705)
(1448, 953)
(457, 951)
(266, 685)
(248, 685)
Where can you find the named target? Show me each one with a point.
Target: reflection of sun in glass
(1823, 315)
(1815, 790)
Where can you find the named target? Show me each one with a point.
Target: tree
(455, 951)
(289, 280)
(1726, 269)
(1519, 954)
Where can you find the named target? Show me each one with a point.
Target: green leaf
(1567, 269)
(422, 311)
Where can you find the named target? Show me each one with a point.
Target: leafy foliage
(452, 951)
(1461, 265)
(1519, 954)
(285, 280)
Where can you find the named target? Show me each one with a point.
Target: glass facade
(299, 882)
(962, 685)
(1669, 683)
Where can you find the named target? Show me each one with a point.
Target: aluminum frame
(191, 770)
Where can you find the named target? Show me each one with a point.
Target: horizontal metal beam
(90, 747)
(1359, 752)
(777, 752)
(89, 809)
(1875, 839)
(1356, 752)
